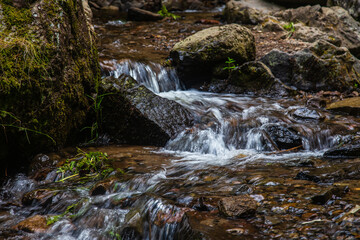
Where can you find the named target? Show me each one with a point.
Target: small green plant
(165, 13)
(231, 64)
(91, 164)
(95, 128)
(290, 28)
(356, 85)
(114, 235)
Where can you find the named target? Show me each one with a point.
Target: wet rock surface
(141, 116)
(35, 224)
(283, 137)
(347, 151)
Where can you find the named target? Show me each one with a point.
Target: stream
(173, 192)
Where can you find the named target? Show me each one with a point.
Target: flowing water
(173, 192)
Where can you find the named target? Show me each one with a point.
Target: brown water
(173, 192)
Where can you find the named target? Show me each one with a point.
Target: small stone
(332, 193)
(306, 176)
(240, 206)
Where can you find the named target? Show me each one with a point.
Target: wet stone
(283, 137)
(239, 206)
(332, 193)
(306, 176)
(307, 114)
(350, 151)
(35, 224)
(42, 196)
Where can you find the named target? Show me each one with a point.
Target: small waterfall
(153, 75)
(226, 123)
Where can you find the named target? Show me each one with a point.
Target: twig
(286, 150)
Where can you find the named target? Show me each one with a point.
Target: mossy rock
(323, 66)
(49, 63)
(196, 56)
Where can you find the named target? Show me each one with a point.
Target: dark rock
(321, 67)
(141, 117)
(238, 206)
(34, 224)
(197, 56)
(333, 193)
(348, 151)
(306, 176)
(100, 188)
(350, 106)
(41, 161)
(137, 14)
(283, 137)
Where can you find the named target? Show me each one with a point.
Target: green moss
(48, 64)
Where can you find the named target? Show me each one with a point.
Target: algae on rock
(49, 63)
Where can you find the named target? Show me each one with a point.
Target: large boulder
(141, 117)
(49, 64)
(353, 6)
(321, 67)
(333, 24)
(197, 56)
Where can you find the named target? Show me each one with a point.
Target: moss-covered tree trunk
(48, 66)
